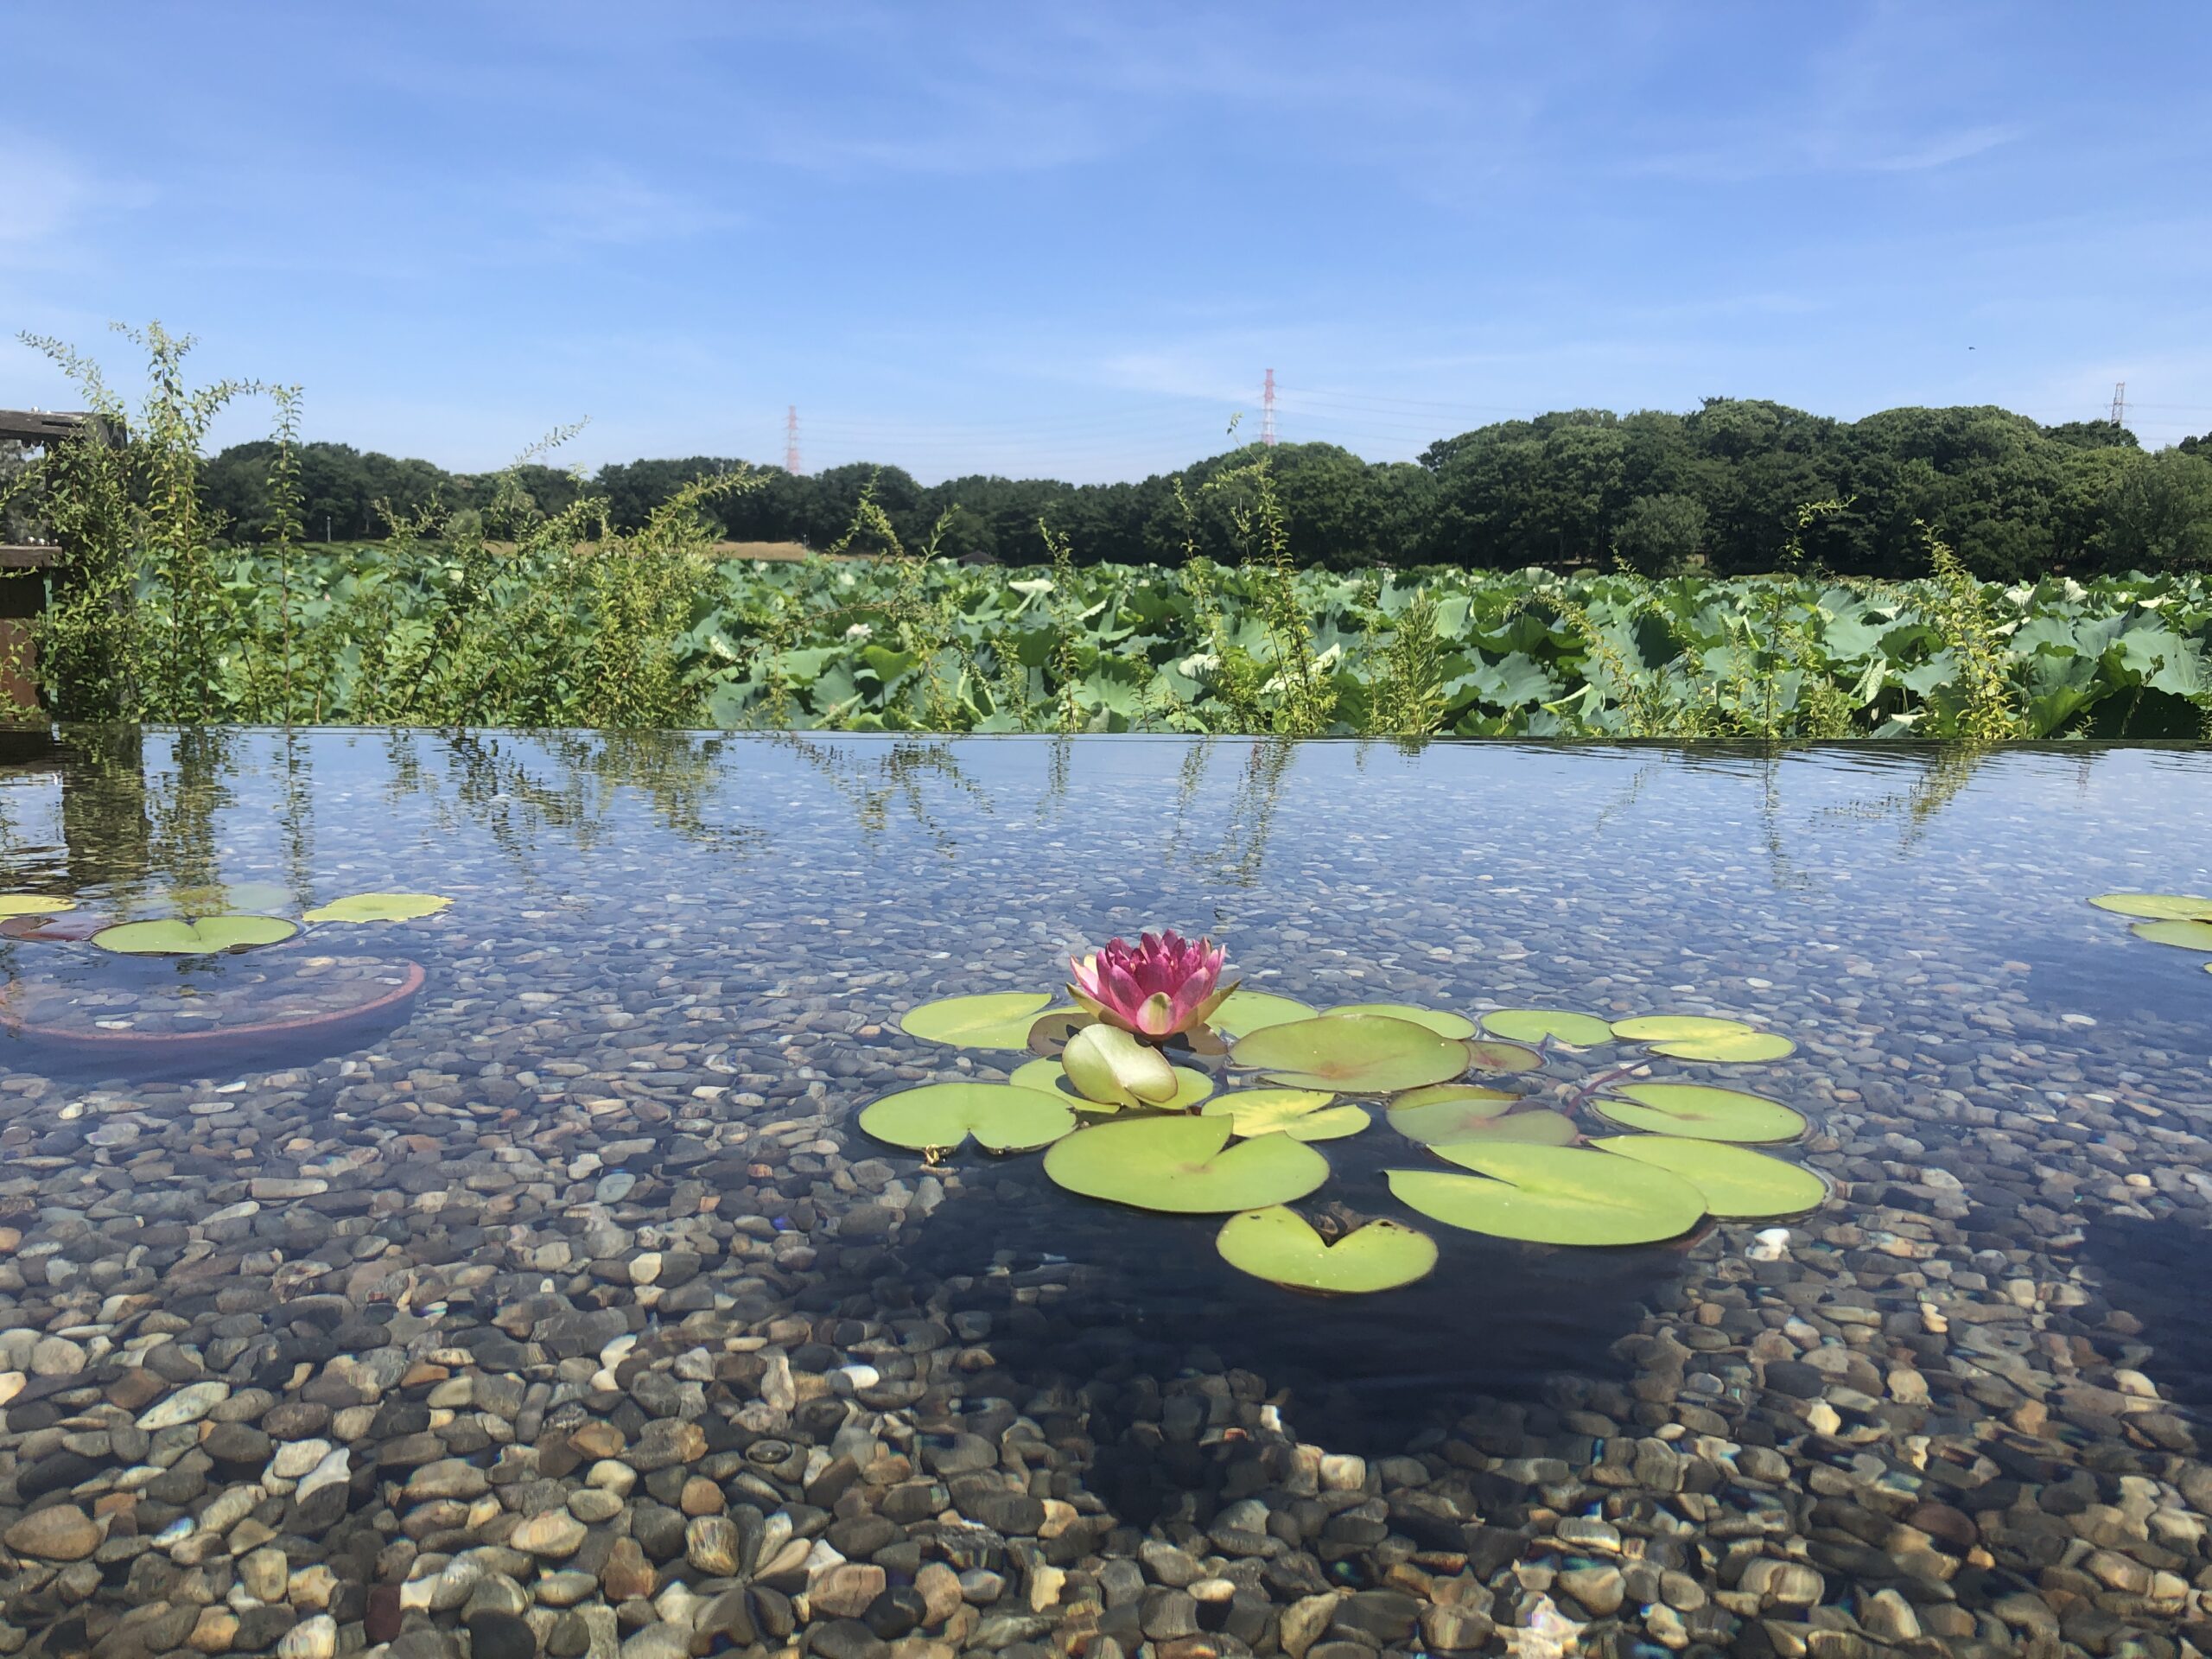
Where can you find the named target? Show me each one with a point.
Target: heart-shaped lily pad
(1738, 1184)
(1106, 1065)
(1280, 1245)
(1051, 1078)
(1536, 1127)
(33, 904)
(2189, 936)
(2158, 907)
(1489, 1056)
(1447, 1106)
(1700, 1113)
(1352, 1054)
(940, 1116)
(1553, 1195)
(379, 907)
(1439, 1021)
(1535, 1024)
(1183, 1164)
(1698, 1037)
(1301, 1113)
(177, 937)
(998, 1020)
(1245, 1012)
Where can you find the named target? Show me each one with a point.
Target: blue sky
(1070, 239)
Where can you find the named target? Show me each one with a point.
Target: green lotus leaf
(1000, 1019)
(1049, 1077)
(1489, 1056)
(1700, 1113)
(1301, 1113)
(1442, 1022)
(1553, 1195)
(1535, 1024)
(1437, 1093)
(1183, 1164)
(1676, 1027)
(1245, 1012)
(1751, 1045)
(1106, 1065)
(1540, 1128)
(1696, 1037)
(33, 904)
(1280, 1245)
(941, 1116)
(1438, 1113)
(176, 936)
(2158, 907)
(379, 907)
(1352, 1054)
(1738, 1184)
(2189, 936)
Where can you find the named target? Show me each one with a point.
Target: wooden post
(23, 568)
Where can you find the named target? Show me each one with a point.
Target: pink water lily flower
(1164, 985)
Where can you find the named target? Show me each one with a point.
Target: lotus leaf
(1751, 1045)
(2189, 936)
(1183, 1164)
(176, 936)
(999, 1020)
(1245, 1012)
(1351, 1053)
(379, 907)
(1676, 1027)
(1695, 1037)
(1301, 1113)
(1700, 1113)
(1738, 1184)
(942, 1115)
(1535, 1024)
(1443, 1111)
(1106, 1065)
(1553, 1195)
(1442, 1022)
(1280, 1245)
(1437, 1094)
(1049, 1077)
(2158, 907)
(33, 904)
(1432, 1127)
(1489, 1056)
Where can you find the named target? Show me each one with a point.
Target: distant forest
(1722, 486)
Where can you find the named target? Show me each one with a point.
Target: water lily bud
(1108, 1066)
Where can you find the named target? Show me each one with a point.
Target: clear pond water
(563, 1305)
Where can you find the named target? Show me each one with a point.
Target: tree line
(1724, 487)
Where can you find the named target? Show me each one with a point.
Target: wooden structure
(23, 583)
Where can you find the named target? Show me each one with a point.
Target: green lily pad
(1738, 1184)
(1674, 1027)
(1183, 1164)
(1447, 1107)
(1535, 1024)
(941, 1116)
(1301, 1113)
(2158, 907)
(1106, 1065)
(1245, 1012)
(176, 936)
(2189, 936)
(1352, 1054)
(1439, 1021)
(33, 904)
(1700, 1113)
(379, 907)
(1000, 1019)
(1749, 1047)
(1698, 1037)
(1495, 1059)
(1540, 1127)
(1280, 1246)
(1051, 1078)
(1553, 1195)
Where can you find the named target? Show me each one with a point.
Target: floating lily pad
(1001, 1019)
(1183, 1164)
(33, 904)
(1553, 1195)
(2189, 936)
(1698, 1037)
(1535, 1024)
(379, 907)
(1280, 1245)
(176, 936)
(1447, 1107)
(1301, 1113)
(1245, 1012)
(1352, 1054)
(2158, 907)
(1700, 1113)
(1051, 1078)
(71, 926)
(1540, 1127)
(1750, 1046)
(1738, 1184)
(941, 1116)
(1106, 1065)
(1493, 1057)
(1676, 1027)
(1439, 1021)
